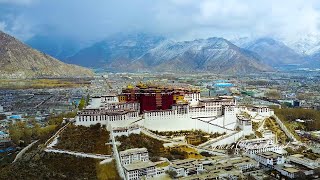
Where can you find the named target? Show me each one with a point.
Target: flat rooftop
(269, 155)
(139, 165)
(134, 150)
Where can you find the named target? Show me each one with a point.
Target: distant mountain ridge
(115, 49)
(18, 60)
(211, 55)
(143, 52)
(273, 52)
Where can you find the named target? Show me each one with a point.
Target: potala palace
(170, 109)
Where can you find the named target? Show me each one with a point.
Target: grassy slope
(85, 139)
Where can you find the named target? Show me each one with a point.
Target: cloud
(180, 19)
(16, 2)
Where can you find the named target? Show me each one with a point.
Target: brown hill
(18, 60)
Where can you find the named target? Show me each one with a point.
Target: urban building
(269, 159)
(139, 170)
(126, 131)
(299, 159)
(130, 156)
(186, 167)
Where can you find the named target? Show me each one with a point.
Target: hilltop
(18, 60)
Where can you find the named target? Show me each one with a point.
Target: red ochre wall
(167, 101)
(147, 102)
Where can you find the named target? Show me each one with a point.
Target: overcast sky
(179, 19)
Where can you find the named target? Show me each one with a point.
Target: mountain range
(18, 60)
(143, 52)
(272, 52)
(115, 50)
(146, 52)
(211, 55)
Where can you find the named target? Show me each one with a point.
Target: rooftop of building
(269, 155)
(215, 174)
(134, 150)
(309, 162)
(243, 118)
(217, 99)
(157, 87)
(139, 165)
(288, 168)
(126, 128)
(185, 163)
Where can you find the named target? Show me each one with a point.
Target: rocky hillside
(115, 50)
(274, 53)
(213, 55)
(143, 52)
(18, 60)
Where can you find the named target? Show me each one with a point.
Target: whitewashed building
(301, 160)
(130, 156)
(125, 131)
(139, 170)
(210, 115)
(269, 159)
(186, 167)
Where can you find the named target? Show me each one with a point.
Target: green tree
(88, 99)
(20, 132)
(82, 103)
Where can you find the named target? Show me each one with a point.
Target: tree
(82, 103)
(20, 132)
(88, 99)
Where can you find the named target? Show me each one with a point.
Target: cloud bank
(288, 20)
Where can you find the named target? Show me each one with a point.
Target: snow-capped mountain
(115, 50)
(273, 52)
(306, 45)
(242, 42)
(213, 54)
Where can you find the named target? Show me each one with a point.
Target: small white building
(186, 167)
(259, 145)
(139, 170)
(126, 131)
(262, 110)
(287, 170)
(4, 135)
(243, 163)
(130, 156)
(301, 160)
(269, 159)
(245, 124)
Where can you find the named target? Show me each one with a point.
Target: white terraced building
(269, 159)
(210, 115)
(252, 147)
(136, 164)
(131, 155)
